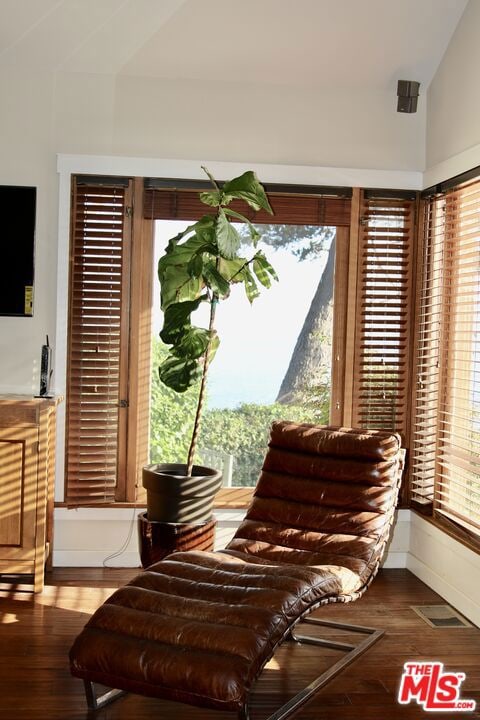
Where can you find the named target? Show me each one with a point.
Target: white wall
(453, 102)
(45, 113)
(194, 119)
(27, 158)
(268, 124)
(108, 531)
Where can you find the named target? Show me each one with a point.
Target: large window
(344, 357)
(274, 358)
(446, 465)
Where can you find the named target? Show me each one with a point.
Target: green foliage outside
(171, 415)
(242, 431)
(304, 241)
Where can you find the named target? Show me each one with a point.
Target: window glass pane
(274, 359)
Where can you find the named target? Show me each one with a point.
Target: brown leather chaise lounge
(198, 627)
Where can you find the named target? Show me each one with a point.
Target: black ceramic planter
(173, 497)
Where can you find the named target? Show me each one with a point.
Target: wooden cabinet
(27, 464)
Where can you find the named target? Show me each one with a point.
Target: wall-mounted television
(17, 249)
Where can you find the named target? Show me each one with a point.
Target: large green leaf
(254, 234)
(179, 373)
(192, 343)
(214, 345)
(176, 319)
(177, 285)
(247, 188)
(215, 280)
(211, 197)
(195, 266)
(183, 253)
(231, 269)
(205, 222)
(228, 239)
(263, 270)
(251, 287)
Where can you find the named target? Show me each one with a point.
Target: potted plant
(199, 266)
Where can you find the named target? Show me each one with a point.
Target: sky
(256, 341)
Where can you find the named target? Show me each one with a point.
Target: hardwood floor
(36, 633)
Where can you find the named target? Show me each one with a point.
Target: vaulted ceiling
(313, 43)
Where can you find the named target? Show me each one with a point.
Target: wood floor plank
(37, 632)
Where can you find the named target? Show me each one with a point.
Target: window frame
(345, 354)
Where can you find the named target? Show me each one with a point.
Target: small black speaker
(407, 91)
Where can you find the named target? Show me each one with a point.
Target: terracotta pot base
(158, 539)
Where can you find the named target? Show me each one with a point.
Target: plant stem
(203, 383)
(210, 177)
(206, 363)
(245, 264)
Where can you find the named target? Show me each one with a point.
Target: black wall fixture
(407, 91)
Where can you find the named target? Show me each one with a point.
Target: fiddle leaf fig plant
(199, 266)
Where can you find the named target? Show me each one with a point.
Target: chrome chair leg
(353, 652)
(94, 702)
(243, 713)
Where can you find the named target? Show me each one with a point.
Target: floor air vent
(440, 616)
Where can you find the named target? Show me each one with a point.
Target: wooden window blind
(446, 476)
(384, 299)
(168, 204)
(97, 339)
(428, 348)
(457, 491)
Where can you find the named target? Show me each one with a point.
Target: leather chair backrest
(326, 495)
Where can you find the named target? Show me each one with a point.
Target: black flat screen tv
(17, 249)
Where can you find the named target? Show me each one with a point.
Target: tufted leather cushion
(325, 496)
(198, 627)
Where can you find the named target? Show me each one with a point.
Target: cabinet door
(18, 498)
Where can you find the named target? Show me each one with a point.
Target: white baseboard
(395, 559)
(95, 558)
(84, 537)
(131, 559)
(455, 597)
(445, 565)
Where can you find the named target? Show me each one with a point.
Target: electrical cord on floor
(125, 544)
